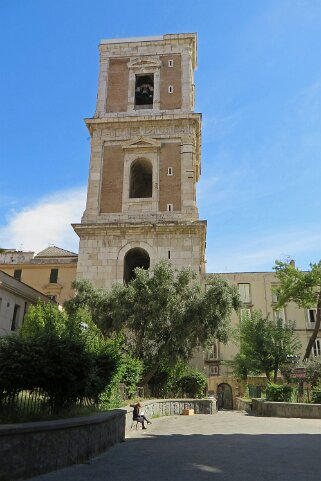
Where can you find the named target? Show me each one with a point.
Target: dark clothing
(136, 413)
(138, 417)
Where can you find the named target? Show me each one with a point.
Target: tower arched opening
(135, 257)
(141, 179)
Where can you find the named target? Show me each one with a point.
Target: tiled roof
(54, 251)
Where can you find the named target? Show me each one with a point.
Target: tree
(65, 356)
(193, 383)
(303, 288)
(93, 299)
(166, 314)
(264, 345)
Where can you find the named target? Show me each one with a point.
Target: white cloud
(46, 222)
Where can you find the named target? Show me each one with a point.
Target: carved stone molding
(143, 143)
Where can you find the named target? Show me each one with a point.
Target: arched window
(144, 91)
(136, 257)
(141, 179)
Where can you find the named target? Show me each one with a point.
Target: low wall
(243, 404)
(173, 407)
(261, 407)
(28, 449)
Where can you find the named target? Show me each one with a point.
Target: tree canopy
(264, 345)
(66, 357)
(165, 313)
(303, 288)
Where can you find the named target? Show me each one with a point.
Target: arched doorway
(224, 396)
(136, 257)
(141, 179)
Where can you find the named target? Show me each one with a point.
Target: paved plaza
(228, 446)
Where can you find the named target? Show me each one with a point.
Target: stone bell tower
(145, 161)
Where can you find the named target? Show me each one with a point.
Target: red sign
(298, 372)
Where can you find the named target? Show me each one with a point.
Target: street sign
(298, 372)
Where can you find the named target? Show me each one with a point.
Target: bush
(278, 393)
(166, 381)
(193, 383)
(316, 395)
(62, 367)
(66, 357)
(132, 369)
(313, 371)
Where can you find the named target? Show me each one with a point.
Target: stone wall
(243, 404)
(174, 407)
(286, 410)
(29, 449)
(103, 248)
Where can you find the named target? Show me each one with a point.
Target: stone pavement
(228, 446)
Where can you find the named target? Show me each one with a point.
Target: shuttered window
(244, 291)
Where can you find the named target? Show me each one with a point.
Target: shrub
(62, 367)
(316, 395)
(278, 393)
(132, 369)
(313, 371)
(67, 357)
(193, 383)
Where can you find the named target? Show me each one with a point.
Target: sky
(258, 87)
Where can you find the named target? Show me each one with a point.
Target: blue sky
(258, 86)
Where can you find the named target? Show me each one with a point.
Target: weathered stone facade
(145, 160)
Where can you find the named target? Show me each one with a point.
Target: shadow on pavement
(197, 457)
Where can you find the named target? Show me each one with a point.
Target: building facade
(145, 161)
(141, 201)
(51, 271)
(15, 299)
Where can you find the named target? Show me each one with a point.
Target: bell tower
(145, 161)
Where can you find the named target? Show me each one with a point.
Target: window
(171, 63)
(317, 347)
(212, 354)
(279, 315)
(169, 254)
(14, 322)
(17, 274)
(141, 179)
(170, 89)
(275, 297)
(169, 170)
(312, 316)
(169, 207)
(245, 314)
(53, 276)
(52, 297)
(244, 291)
(213, 370)
(144, 91)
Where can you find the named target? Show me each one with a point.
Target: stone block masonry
(29, 449)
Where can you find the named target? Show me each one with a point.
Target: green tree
(65, 356)
(193, 383)
(96, 301)
(165, 313)
(313, 371)
(303, 288)
(264, 345)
